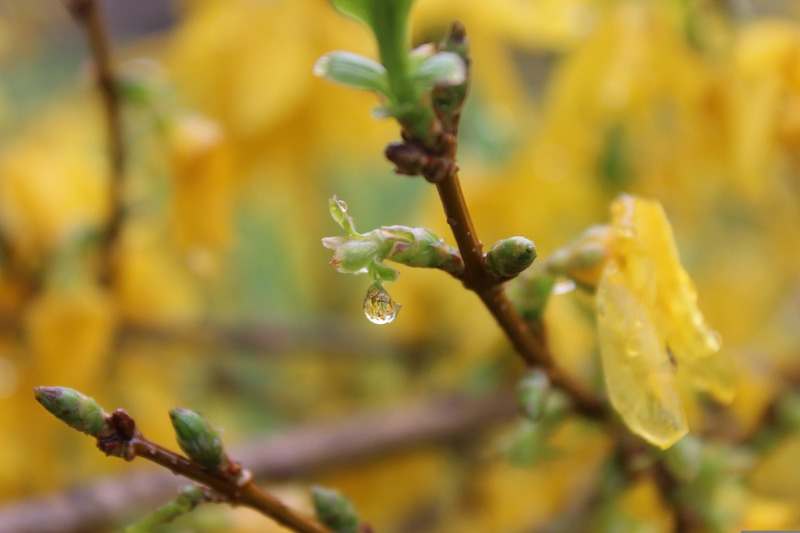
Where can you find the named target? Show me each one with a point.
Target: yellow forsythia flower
(202, 189)
(650, 327)
(70, 331)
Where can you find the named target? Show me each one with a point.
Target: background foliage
(234, 150)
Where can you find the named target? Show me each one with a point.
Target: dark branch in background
(297, 452)
(88, 14)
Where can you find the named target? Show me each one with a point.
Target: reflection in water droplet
(379, 306)
(564, 287)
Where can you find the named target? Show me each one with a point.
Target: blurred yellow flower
(650, 327)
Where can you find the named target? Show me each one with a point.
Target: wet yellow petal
(639, 376)
(653, 270)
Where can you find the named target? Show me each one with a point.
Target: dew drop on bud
(379, 306)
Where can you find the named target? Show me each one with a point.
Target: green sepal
(353, 70)
(76, 410)
(334, 510)
(509, 257)
(198, 440)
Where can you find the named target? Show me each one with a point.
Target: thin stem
(529, 344)
(89, 15)
(248, 493)
(296, 453)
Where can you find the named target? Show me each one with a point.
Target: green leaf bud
(532, 393)
(75, 409)
(334, 510)
(583, 259)
(353, 70)
(198, 440)
(508, 257)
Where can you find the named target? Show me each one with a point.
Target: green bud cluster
(364, 253)
(75, 409)
(404, 78)
(334, 510)
(198, 439)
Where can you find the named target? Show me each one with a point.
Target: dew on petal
(379, 306)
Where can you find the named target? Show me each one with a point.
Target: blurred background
(222, 300)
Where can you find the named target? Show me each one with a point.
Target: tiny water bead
(379, 306)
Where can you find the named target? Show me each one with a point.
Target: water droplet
(379, 306)
(564, 287)
(633, 348)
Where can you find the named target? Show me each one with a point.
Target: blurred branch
(295, 453)
(324, 336)
(88, 14)
(236, 486)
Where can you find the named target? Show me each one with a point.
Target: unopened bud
(335, 511)
(508, 257)
(198, 440)
(583, 259)
(75, 409)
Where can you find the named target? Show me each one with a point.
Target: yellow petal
(775, 476)
(639, 376)
(70, 333)
(202, 189)
(654, 271)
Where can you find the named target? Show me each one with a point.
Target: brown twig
(435, 159)
(89, 15)
(297, 452)
(232, 482)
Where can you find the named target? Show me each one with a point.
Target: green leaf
(360, 10)
(353, 70)
(339, 213)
